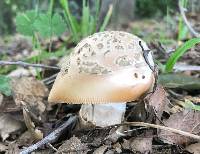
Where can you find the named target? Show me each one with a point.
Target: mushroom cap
(104, 67)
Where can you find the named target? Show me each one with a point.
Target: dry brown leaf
(187, 120)
(158, 100)
(8, 105)
(31, 91)
(9, 125)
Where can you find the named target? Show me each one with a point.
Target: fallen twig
(182, 11)
(51, 137)
(180, 132)
(24, 64)
(50, 79)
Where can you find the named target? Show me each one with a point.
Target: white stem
(103, 115)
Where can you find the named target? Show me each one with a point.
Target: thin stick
(180, 132)
(52, 137)
(24, 64)
(182, 11)
(50, 79)
(51, 146)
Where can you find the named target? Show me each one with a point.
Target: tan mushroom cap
(104, 67)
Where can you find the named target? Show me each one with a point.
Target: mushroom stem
(103, 115)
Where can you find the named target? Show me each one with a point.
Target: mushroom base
(102, 115)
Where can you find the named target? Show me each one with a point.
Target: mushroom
(105, 70)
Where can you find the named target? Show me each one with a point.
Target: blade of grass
(97, 9)
(107, 18)
(85, 19)
(92, 25)
(182, 28)
(179, 52)
(64, 4)
(96, 17)
(50, 9)
(50, 12)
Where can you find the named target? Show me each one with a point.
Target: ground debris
(53, 136)
(9, 125)
(192, 57)
(3, 147)
(186, 120)
(138, 144)
(30, 92)
(73, 146)
(158, 100)
(13, 149)
(101, 149)
(17, 47)
(193, 148)
(19, 72)
(26, 138)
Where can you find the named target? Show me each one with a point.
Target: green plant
(182, 28)
(88, 23)
(33, 23)
(5, 87)
(179, 52)
(189, 105)
(38, 24)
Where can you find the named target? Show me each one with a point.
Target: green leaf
(5, 86)
(25, 22)
(48, 26)
(58, 25)
(179, 81)
(189, 105)
(179, 52)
